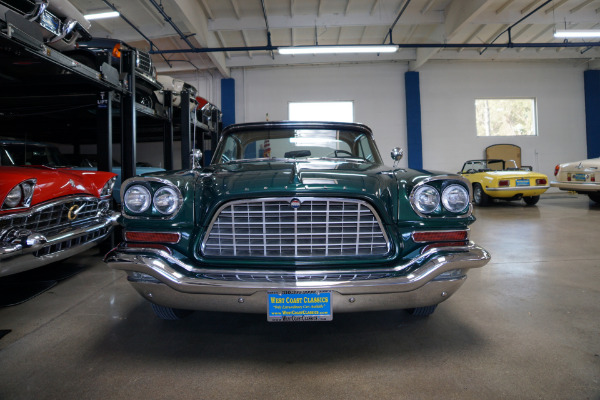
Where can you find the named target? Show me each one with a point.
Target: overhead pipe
(268, 29)
(406, 46)
(391, 28)
(135, 28)
(513, 25)
(168, 19)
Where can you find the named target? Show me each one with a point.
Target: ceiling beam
(458, 14)
(330, 20)
(196, 20)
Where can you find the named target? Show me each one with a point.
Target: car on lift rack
(503, 180)
(48, 214)
(59, 22)
(298, 221)
(579, 176)
(116, 53)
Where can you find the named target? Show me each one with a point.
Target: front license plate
(292, 306)
(579, 177)
(522, 182)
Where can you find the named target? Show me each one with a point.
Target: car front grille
(54, 216)
(318, 227)
(144, 62)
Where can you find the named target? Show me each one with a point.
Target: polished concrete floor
(526, 326)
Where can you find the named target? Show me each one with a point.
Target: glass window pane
(336, 111)
(505, 117)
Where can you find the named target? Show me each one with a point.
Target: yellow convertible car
(503, 180)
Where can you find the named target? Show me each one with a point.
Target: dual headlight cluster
(141, 199)
(20, 195)
(427, 199)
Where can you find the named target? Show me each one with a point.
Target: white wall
(448, 93)
(377, 91)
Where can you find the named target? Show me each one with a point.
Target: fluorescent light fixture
(386, 48)
(102, 15)
(577, 33)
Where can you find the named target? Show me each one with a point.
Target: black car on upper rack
(97, 51)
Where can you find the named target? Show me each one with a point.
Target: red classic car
(48, 214)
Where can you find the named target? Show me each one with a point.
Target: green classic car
(296, 220)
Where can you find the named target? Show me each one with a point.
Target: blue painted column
(413, 120)
(591, 82)
(228, 101)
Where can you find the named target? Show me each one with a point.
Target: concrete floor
(525, 326)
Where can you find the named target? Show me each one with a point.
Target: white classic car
(579, 176)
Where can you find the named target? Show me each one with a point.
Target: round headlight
(166, 200)
(137, 199)
(13, 198)
(426, 199)
(455, 198)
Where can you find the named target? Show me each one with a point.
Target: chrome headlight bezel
(455, 198)
(172, 198)
(426, 199)
(143, 194)
(108, 187)
(440, 183)
(156, 187)
(19, 196)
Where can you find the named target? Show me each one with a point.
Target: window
(337, 111)
(505, 117)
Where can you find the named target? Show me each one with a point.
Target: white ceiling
(241, 23)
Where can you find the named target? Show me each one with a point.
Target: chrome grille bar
(319, 227)
(53, 215)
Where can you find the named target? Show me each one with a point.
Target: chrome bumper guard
(23, 249)
(434, 277)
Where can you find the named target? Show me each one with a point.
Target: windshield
(20, 154)
(297, 144)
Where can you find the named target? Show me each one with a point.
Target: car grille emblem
(73, 211)
(295, 204)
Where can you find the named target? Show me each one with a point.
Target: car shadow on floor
(249, 337)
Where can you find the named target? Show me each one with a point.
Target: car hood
(298, 178)
(52, 183)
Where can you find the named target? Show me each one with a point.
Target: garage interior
(524, 326)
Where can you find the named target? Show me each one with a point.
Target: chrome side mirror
(397, 154)
(196, 158)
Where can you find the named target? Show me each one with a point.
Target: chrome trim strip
(517, 188)
(264, 200)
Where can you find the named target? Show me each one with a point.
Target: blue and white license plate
(298, 306)
(579, 177)
(522, 182)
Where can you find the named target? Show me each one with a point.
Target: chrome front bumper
(22, 252)
(434, 277)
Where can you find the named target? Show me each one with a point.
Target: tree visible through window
(505, 117)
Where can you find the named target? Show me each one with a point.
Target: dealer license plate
(522, 182)
(579, 177)
(292, 306)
